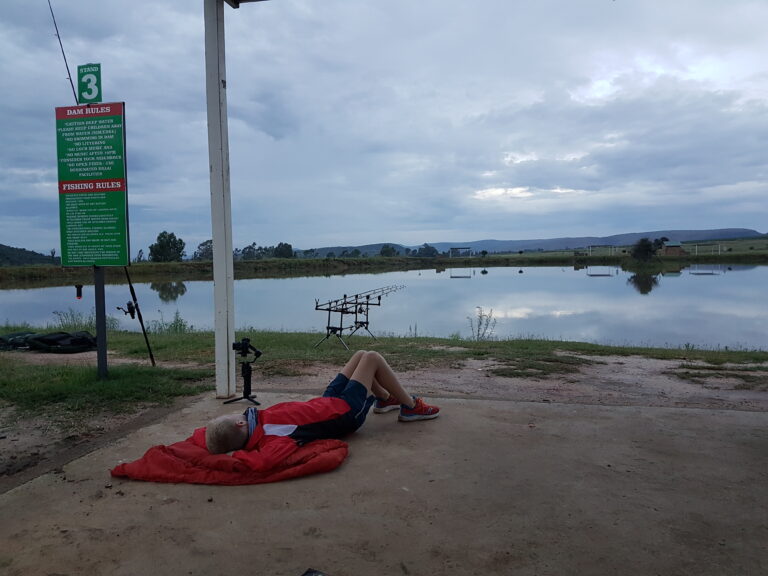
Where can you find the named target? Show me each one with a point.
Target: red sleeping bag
(189, 461)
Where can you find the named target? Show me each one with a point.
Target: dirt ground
(621, 467)
(33, 445)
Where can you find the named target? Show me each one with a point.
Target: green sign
(93, 193)
(89, 83)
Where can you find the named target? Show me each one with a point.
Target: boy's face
(231, 431)
(236, 419)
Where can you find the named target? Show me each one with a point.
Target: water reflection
(643, 283)
(169, 291)
(706, 307)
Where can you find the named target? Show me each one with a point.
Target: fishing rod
(132, 308)
(66, 64)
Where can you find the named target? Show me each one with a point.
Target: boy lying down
(285, 440)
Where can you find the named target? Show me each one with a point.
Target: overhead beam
(236, 3)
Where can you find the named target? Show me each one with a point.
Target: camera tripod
(244, 348)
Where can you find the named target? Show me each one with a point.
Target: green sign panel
(93, 192)
(89, 83)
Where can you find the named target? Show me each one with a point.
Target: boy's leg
(373, 372)
(378, 390)
(385, 402)
(352, 363)
(338, 384)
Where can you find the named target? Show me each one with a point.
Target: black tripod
(244, 349)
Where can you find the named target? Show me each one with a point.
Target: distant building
(673, 249)
(460, 252)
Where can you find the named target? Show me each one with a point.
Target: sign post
(89, 84)
(93, 194)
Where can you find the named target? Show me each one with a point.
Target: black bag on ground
(14, 340)
(62, 342)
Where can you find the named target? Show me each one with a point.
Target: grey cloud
(401, 111)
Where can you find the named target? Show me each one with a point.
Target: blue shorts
(354, 394)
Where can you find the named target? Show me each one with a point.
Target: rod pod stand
(244, 348)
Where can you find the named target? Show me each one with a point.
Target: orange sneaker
(420, 411)
(381, 406)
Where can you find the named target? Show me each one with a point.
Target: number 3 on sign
(89, 83)
(91, 87)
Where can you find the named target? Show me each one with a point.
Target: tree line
(251, 252)
(645, 248)
(169, 248)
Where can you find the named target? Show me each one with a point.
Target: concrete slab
(490, 487)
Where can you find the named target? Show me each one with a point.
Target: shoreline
(43, 276)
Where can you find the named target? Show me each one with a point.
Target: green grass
(285, 349)
(749, 377)
(77, 388)
(191, 347)
(191, 352)
(75, 321)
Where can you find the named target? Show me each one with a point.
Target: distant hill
(10, 256)
(570, 243)
(547, 244)
(364, 250)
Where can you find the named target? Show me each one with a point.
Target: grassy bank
(284, 351)
(76, 389)
(731, 252)
(185, 365)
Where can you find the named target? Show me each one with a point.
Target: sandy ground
(618, 468)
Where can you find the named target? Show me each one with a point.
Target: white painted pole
(221, 207)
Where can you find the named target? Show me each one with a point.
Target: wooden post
(221, 208)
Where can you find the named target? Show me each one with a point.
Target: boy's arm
(268, 454)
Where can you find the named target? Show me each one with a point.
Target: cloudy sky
(357, 121)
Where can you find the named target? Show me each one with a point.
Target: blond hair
(226, 433)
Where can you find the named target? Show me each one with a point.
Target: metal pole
(101, 322)
(221, 210)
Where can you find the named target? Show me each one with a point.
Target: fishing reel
(129, 309)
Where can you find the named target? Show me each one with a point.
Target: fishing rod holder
(352, 312)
